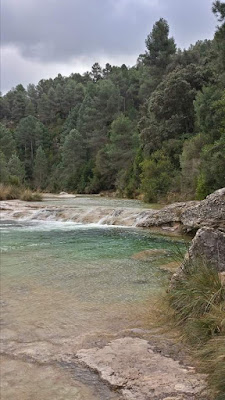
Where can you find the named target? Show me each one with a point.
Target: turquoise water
(64, 281)
(84, 259)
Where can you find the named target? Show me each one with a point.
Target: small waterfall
(80, 215)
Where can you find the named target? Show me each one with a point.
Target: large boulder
(209, 212)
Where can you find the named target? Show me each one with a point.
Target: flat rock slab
(131, 364)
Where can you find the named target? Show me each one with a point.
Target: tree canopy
(154, 129)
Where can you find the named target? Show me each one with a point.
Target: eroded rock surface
(209, 244)
(141, 373)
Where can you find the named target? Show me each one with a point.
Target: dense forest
(155, 129)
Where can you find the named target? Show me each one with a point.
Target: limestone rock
(133, 366)
(208, 245)
(168, 216)
(191, 215)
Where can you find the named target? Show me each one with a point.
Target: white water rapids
(17, 210)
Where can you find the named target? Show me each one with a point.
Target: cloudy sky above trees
(41, 38)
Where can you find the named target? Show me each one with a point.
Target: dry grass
(10, 192)
(28, 195)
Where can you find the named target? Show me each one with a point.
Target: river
(68, 285)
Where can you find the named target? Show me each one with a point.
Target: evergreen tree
(84, 127)
(30, 134)
(18, 110)
(43, 109)
(73, 159)
(40, 169)
(7, 142)
(219, 10)
(96, 72)
(16, 169)
(121, 149)
(4, 173)
(160, 47)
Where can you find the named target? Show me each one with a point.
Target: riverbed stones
(132, 365)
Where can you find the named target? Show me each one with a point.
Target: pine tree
(7, 142)
(4, 173)
(40, 169)
(73, 158)
(160, 47)
(16, 169)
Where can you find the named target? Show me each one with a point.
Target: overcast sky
(41, 38)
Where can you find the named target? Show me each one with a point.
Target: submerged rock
(132, 365)
(146, 255)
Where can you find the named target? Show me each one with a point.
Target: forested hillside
(157, 128)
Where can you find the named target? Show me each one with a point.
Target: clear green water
(62, 281)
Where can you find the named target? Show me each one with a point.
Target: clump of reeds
(197, 303)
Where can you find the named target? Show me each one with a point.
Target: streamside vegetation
(196, 306)
(156, 129)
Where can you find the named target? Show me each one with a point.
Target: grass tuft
(196, 294)
(196, 306)
(28, 195)
(9, 192)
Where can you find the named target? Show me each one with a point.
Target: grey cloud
(57, 31)
(60, 30)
